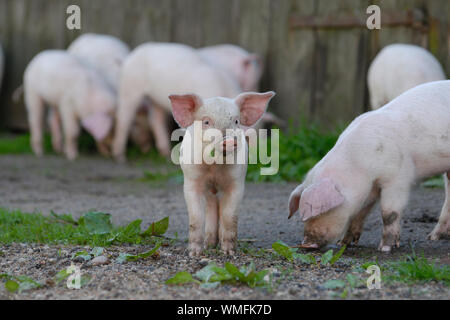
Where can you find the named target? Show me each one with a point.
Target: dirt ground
(52, 183)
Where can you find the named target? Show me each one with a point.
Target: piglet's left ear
(252, 106)
(319, 198)
(98, 125)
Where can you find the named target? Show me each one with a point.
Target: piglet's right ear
(184, 107)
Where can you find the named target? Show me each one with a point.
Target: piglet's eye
(236, 121)
(206, 122)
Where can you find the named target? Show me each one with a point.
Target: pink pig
(245, 67)
(213, 191)
(75, 93)
(381, 154)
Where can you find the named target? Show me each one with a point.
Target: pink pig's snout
(229, 144)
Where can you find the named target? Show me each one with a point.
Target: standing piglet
(75, 93)
(400, 67)
(151, 73)
(380, 155)
(213, 190)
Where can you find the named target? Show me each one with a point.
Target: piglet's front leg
(195, 201)
(229, 203)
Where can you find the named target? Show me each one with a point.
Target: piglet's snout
(229, 144)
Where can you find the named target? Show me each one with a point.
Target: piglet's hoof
(309, 246)
(195, 250)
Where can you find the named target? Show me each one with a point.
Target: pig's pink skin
(155, 71)
(380, 155)
(245, 67)
(400, 67)
(70, 88)
(104, 53)
(213, 192)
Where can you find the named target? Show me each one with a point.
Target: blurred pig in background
(106, 54)
(398, 68)
(245, 67)
(151, 73)
(75, 92)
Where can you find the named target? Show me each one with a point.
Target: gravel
(52, 183)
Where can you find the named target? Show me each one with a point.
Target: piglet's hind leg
(442, 229)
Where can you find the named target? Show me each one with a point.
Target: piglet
(75, 93)
(380, 155)
(400, 67)
(213, 190)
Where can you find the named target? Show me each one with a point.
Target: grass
(300, 149)
(416, 268)
(93, 228)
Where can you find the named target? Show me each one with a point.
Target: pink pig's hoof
(195, 250)
(310, 246)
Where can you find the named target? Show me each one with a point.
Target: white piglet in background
(245, 67)
(380, 155)
(103, 53)
(106, 55)
(151, 73)
(75, 93)
(214, 191)
(398, 68)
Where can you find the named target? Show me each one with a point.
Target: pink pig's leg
(36, 109)
(356, 226)
(54, 122)
(394, 198)
(158, 123)
(228, 217)
(442, 229)
(195, 201)
(71, 129)
(211, 220)
(129, 103)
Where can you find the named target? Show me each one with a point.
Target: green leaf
(337, 256)
(210, 285)
(234, 271)
(213, 273)
(82, 254)
(305, 258)
(123, 257)
(352, 280)
(334, 284)
(61, 275)
(326, 257)
(283, 250)
(97, 251)
(181, 278)
(157, 228)
(96, 222)
(11, 286)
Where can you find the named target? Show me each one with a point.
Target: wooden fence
(317, 52)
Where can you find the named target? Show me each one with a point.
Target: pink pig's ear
(184, 107)
(319, 198)
(98, 125)
(252, 106)
(294, 200)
